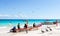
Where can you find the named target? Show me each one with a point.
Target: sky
(29, 9)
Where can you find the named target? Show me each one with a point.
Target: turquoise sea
(6, 22)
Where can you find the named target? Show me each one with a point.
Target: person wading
(18, 26)
(26, 26)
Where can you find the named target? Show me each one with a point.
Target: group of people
(20, 29)
(26, 28)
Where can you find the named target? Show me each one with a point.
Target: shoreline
(55, 31)
(30, 33)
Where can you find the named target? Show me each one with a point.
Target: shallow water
(6, 22)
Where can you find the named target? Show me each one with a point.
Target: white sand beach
(55, 32)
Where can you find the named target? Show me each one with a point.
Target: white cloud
(23, 16)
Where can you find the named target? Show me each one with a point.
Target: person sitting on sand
(13, 29)
(25, 27)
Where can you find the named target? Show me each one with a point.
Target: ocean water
(7, 22)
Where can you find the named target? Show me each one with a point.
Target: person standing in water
(34, 25)
(18, 26)
(25, 27)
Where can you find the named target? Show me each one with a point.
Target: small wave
(3, 27)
